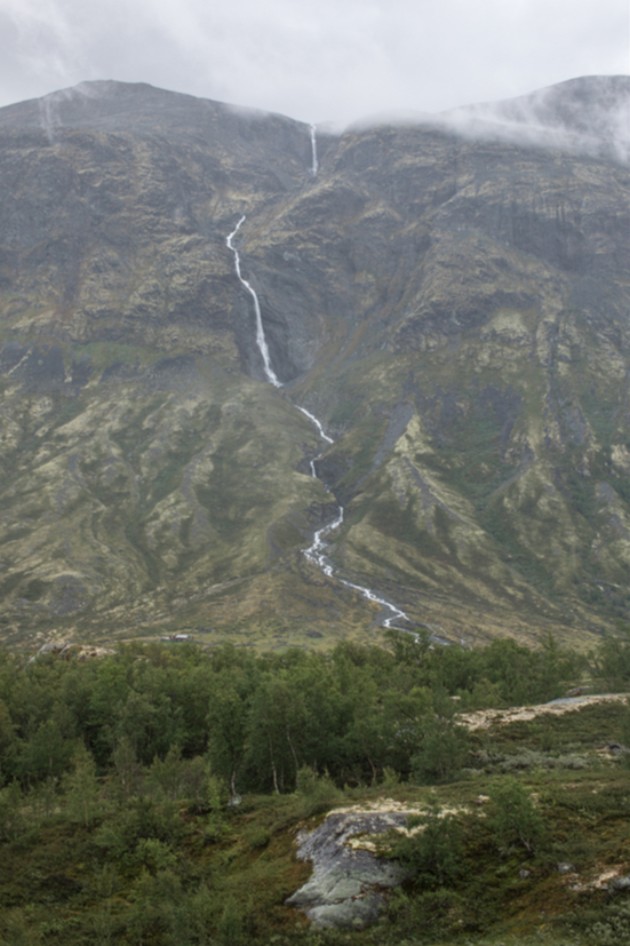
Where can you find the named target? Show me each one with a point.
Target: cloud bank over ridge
(314, 60)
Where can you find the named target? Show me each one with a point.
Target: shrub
(433, 854)
(319, 792)
(614, 928)
(514, 819)
(441, 753)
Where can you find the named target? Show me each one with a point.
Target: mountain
(448, 297)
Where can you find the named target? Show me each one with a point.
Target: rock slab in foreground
(348, 883)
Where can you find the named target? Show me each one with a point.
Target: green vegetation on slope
(454, 311)
(117, 773)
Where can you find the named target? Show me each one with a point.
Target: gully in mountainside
(315, 553)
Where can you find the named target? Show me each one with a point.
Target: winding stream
(316, 552)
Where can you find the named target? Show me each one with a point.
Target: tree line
(257, 720)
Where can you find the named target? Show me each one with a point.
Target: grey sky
(314, 60)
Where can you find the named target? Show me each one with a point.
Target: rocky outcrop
(349, 882)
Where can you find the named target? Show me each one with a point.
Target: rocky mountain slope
(449, 297)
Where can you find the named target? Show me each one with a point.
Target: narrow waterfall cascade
(314, 162)
(261, 340)
(315, 553)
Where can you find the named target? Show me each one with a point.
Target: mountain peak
(109, 105)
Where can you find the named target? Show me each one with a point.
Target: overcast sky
(314, 60)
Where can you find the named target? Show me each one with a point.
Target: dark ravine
(449, 298)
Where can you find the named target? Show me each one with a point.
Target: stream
(316, 552)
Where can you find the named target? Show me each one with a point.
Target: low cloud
(586, 115)
(315, 60)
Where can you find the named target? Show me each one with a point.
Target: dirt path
(483, 719)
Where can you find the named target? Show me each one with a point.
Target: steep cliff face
(453, 306)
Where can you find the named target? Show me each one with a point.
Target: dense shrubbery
(128, 766)
(147, 712)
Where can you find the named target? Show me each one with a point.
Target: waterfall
(261, 340)
(320, 430)
(19, 363)
(314, 162)
(315, 553)
(396, 613)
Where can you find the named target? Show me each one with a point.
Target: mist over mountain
(588, 116)
(449, 298)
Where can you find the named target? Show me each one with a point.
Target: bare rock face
(450, 298)
(347, 888)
